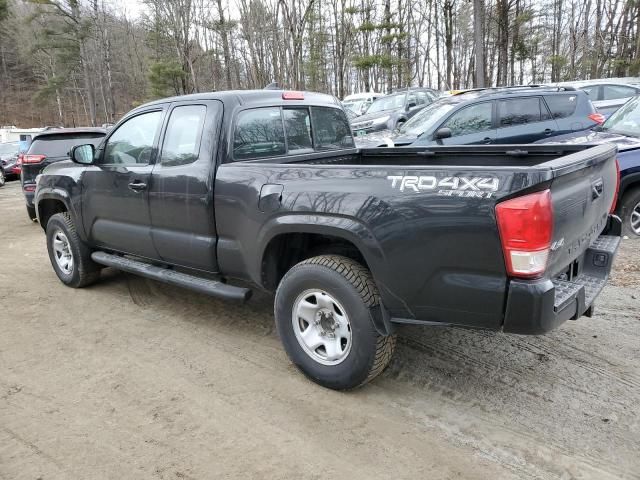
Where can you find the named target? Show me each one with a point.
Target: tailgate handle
(597, 188)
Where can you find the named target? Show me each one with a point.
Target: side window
(412, 99)
(562, 106)
(182, 138)
(473, 119)
(258, 133)
(518, 111)
(592, 91)
(611, 92)
(297, 125)
(132, 143)
(331, 129)
(423, 98)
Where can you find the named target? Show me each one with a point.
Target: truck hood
(596, 138)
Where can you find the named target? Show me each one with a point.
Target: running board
(214, 288)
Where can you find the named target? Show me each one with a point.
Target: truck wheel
(323, 319)
(630, 213)
(2, 178)
(31, 211)
(70, 257)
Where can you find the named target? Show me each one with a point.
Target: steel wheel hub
(322, 327)
(635, 219)
(62, 252)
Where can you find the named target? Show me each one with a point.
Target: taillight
(614, 203)
(31, 159)
(292, 96)
(20, 157)
(597, 117)
(30, 187)
(526, 227)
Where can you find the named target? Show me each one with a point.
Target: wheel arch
(293, 239)
(49, 202)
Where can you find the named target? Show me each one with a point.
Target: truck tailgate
(583, 190)
(585, 238)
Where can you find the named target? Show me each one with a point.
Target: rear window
(60, 145)
(613, 92)
(561, 106)
(272, 131)
(331, 129)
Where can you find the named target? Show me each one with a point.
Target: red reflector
(526, 226)
(33, 159)
(29, 188)
(292, 96)
(614, 203)
(597, 117)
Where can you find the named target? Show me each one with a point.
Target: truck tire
(3, 179)
(323, 319)
(630, 213)
(70, 257)
(31, 211)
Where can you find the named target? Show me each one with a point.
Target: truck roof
(69, 131)
(254, 97)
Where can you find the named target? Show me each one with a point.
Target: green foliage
(558, 61)
(351, 10)
(48, 91)
(165, 78)
(4, 10)
(367, 27)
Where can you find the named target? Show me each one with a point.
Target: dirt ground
(134, 379)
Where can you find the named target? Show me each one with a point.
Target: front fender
(64, 190)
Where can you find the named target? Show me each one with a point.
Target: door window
(298, 128)
(259, 133)
(331, 130)
(132, 143)
(473, 119)
(519, 111)
(612, 92)
(183, 135)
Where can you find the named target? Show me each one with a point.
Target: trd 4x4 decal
(478, 187)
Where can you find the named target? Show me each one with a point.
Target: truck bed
(460, 155)
(424, 218)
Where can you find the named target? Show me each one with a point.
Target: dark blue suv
(623, 129)
(494, 116)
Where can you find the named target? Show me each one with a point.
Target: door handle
(137, 186)
(487, 140)
(548, 131)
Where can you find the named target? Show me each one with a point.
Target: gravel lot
(134, 379)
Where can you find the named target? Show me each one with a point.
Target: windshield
(8, 148)
(353, 105)
(426, 119)
(625, 120)
(390, 102)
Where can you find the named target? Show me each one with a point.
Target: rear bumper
(538, 306)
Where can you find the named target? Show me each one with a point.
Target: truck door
(115, 208)
(181, 191)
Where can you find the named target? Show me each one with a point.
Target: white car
(607, 94)
(359, 102)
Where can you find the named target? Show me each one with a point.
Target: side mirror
(444, 132)
(83, 154)
(411, 105)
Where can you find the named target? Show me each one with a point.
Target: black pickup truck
(231, 191)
